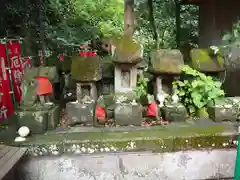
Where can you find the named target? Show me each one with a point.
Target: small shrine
(86, 72)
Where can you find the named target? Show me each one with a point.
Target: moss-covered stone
(35, 120)
(174, 113)
(53, 117)
(49, 72)
(86, 68)
(128, 114)
(203, 60)
(127, 50)
(107, 67)
(38, 118)
(166, 61)
(157, 139)
(224, 110)
(29, 90)
(203, 113)
(80, 113)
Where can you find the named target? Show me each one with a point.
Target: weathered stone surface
(86, 68)
(204, 61)
(190, 165)
(38, 118)
(107, 67)
(53, 117)
(127, 50)
(29, 90)
(128, 114)
(107, 87)
(35, 119)
(174, 113)
(225, 110)
(166, 61)
(79, 113)
(49, 72)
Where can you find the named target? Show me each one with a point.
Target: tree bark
(152, 22)
(129, 18)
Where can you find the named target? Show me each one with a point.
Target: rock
(86, 69)
(79, 113)
(127, 50)
(128, 114)
(166, 61)
(224, 110)
(203, 60)
(174, 113)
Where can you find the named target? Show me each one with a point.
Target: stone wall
(190, 165)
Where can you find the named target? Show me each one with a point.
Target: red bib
(100, 113)
(152, 110)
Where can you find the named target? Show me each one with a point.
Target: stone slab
(128, 114)
(39, 120)
(190, 165)
(80, 113)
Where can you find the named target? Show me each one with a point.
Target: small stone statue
(161, 99)
(175, 99)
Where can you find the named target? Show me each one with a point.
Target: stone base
(38, 119)
(174, 113)
(222, 114)
(80, 113)
(128, 114)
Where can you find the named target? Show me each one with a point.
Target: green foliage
(141, 89)
(197, 90)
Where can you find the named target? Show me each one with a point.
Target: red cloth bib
(100, 113)
(152, 110)
(44, 86)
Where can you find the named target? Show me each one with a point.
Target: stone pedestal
(128, 114)
(38, 119)
(80, 113)
(174, 113)
(223, 113)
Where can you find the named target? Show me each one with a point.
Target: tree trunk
(129, 17)
(152, 22)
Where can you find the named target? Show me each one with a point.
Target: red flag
(14, 53)
(6, 103)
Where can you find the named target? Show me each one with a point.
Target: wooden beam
(9, 157)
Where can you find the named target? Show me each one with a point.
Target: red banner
(6, 103)
(14, 54)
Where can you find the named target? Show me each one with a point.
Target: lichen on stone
(205, 61)
(127, 50)
(86, 68)
(166, 61)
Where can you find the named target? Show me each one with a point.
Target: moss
(50, 72)
(203, 60)
(127, 50)
(86, 68)
(107, 67)
(166, 61)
